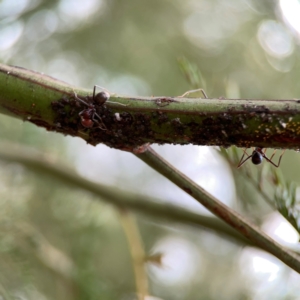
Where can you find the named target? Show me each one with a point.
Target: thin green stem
(232, 218)
(137, 252)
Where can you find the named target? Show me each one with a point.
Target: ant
(89, 114)
(258, 154)
(257, 157)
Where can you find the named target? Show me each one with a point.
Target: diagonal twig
(219, 209)
(154, 207)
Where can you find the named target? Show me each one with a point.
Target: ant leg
(243, 161)
(78, 99)
(272, 154)
(194, 91)
(279, 160)
(280, 157)
(118, 103)
(102, 125)
(81, 113)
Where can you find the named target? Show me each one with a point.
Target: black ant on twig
(258, 154)
(257, 157)
(89, 114)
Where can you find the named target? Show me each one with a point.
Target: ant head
(101, 98)
(257, 157)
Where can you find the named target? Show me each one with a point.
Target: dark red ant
(257, 157)
(89, 114)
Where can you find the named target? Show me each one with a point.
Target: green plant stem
(137, 252)
(133, 121)
(232, 218)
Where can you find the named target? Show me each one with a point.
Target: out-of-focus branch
(232, 218)
(154, 207)
(137, 252)
(41, 163)
(50, 103)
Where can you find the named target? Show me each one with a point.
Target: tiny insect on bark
(89, 114)
(257, 156)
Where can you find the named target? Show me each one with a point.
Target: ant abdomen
(87, 123)
(257, 158)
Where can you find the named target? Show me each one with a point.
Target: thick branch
(50, 103)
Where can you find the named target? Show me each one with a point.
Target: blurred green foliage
(57, 243)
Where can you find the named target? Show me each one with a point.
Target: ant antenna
(243, 161)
